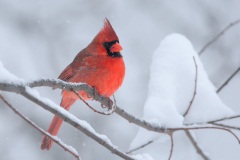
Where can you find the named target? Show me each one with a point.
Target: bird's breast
(110, 76)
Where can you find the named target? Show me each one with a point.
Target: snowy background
(40, 38)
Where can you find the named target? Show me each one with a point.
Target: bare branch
(62, 145)
(188, 134)
(103, 113)
(205, 127)
(195, 88)
(142, 146)
(225, 118)
(228, 80)
(172, 145)
(151, 127)
(216, 120)
(226, 126)
(195, 144)
(219, 35)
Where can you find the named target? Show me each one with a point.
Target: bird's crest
(107, 33)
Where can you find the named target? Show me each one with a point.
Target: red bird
(100, 65)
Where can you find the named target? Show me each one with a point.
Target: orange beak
(116, 47)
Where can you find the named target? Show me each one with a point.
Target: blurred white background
(38, 39)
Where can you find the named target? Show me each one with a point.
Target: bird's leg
(114, 103)
(95, 93)
(103, 106)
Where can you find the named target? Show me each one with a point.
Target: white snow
(82, 123)
(171, 87)
(7, 76)
(143, 156)
(70, 148)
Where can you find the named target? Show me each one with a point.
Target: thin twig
(188, 134)
(103, 113)
(206, 127)
(40, 129)
(142, 146)
(219, 35)
(172, 145)
(152, 127)
(228, 80)
(195, 87)
(196, 146)
(225, 118)
(213, 121)
(226, 126)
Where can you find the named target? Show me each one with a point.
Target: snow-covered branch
(24, 90)
(54, 138)
(83, 126)
(165, 106)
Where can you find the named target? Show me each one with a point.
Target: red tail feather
(55, 125)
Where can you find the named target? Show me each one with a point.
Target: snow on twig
(24, 90)
(83, 126)
(65, 147)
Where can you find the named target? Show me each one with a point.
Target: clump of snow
(5, 75)
(70, 148)
(143, 156)
(171, 88)
(82, 123)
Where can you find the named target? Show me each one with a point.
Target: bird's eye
(108, 46)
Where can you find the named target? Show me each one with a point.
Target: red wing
(72, 69)
(67, 73)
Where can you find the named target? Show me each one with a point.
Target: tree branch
(195, 88)
(62, 145)
(142, 146)
(195, 144)
(56, 83)
(66, 116)
(226, 126)
(205, 127)
(109, 112)
(188, 134)
(26, 92)
(172, 145)
(219, 35)
(225, 118)
(228, 80)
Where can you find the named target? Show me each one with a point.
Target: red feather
(94, 66)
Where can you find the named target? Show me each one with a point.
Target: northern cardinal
(100, 65)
